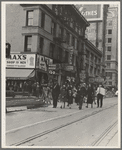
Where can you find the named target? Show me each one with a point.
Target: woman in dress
(63, 96)
(90, 93)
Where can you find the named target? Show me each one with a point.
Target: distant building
(112, 47)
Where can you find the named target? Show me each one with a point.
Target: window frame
(108, 48)
(26, 43)
(109, 31)
(110, 40)
(42, 19)
(27, 18)
(108, 57)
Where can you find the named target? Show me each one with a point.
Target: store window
(109, 31)
(109, 48)
(28, 43)
(42, 19)
(108, 57)
(109, 40)
(29, 18)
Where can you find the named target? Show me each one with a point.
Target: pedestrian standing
(63, 96)
(55, 93)
(82, 93)
(90, 93)
(100, 94)
(46, 94)
(37, 89)
(70, 97)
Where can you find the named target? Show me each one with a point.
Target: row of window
(63, 34)
(54, 51)
(92, 57)
(66, 15)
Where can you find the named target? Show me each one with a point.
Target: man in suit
(55, 93)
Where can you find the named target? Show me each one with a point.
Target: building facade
(52, 38)
(96, 14)
(112, 47)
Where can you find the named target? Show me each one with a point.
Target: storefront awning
(19, 74)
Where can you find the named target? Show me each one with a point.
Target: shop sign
(54, 66)
(91, 12)
(70, 58)
(97, 79)
(69, 68)
(43, 62)
(18, 60)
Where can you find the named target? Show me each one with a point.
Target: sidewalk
(24, 104)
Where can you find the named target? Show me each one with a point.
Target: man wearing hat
(55, 93)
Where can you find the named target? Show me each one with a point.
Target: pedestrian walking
(63, 96)
(55, 93)
(70, 98)
(37, 89)
(90, 93)
(82, 93)
(69, 93)
(46, 94)
(100, 94)
(74, 90)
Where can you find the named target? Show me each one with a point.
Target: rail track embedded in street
(67, 124)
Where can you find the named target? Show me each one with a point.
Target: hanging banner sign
(43, 62)
(18, 60)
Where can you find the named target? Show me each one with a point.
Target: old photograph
(60, 74)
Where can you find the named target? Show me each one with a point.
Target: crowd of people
(67, 94)
(70, 93)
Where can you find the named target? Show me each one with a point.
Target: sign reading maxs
(18, 60)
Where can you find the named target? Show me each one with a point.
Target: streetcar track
(51, 119)
(64, 125)
(104, 134)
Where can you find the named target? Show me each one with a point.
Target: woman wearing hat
(63, 96)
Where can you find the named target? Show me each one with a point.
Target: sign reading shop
(21, 61)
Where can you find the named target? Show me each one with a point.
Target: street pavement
(40, 117)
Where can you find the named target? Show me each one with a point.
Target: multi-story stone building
(49, 41)
(96, 14)
(112, 47)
